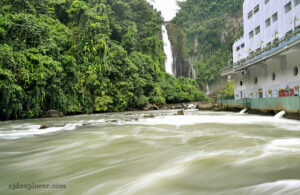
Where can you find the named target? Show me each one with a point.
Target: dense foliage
(227, 92)
(209, 29)
(83, 56)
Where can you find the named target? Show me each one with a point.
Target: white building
(267, 58)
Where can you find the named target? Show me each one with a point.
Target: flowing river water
(129, 153)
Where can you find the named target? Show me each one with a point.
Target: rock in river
(180, 112)
(53, 113)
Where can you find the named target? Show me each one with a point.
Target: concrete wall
(277, 29)
(267, 105)
(282, 66)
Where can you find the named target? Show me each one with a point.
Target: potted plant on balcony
(260, 93)
(270, 92)
(297, 88)
(281, 92)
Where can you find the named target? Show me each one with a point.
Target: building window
(243, 45)
(296, 71)
(256, 9)
(257, 30)
(250, 14)
(251, 34)
(273, 77)
(238, 48)
(268, 22)
(297, 2)
(241, 83)
(275, 17)
(255, 80)
(288, 7)
(267, 1)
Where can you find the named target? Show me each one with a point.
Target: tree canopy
(83, 56)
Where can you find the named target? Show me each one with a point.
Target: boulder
(149, 116)
(52, 113)
(204, 106)
(155, 107)
(148, 107)
(44, 126)
(180, 112)
(166, 107)
(178, 106)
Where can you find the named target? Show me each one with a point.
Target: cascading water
(244, 111)
(207, 88)
(168, 51)
(280, 114)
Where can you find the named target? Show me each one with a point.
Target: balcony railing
(269, 49)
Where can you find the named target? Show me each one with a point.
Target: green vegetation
(209, 29)
(227, 92)
(83, 56)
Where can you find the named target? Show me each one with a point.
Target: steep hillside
(207, 29)
(83, 56)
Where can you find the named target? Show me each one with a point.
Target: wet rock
(180, 112)
(149, 116)
(155, 107)
(148, 107)
(185, 107)
(178, 106)
(166, 107)
(129, 113)
(44, 126)
(204, 106)
(114, 121)
(52, 113)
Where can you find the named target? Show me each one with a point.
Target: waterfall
(207, 88)
(193, 72)
(168, 51)
(280, 114)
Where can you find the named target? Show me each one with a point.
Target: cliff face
(233, 27)
(202, 34)
(181, 66)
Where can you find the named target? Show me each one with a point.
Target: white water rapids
(154, 152)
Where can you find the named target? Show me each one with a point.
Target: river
(129, 153)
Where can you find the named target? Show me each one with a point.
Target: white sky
(168, 8)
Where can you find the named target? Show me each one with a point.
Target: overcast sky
(168, 8)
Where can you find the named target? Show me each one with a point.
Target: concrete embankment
(265, 106)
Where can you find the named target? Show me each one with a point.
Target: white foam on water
(230, 119)
(96, 121)
(275, 188)
(284, 145)
(172, 168)
(192, 106)
(275, 147)
(35, 130)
